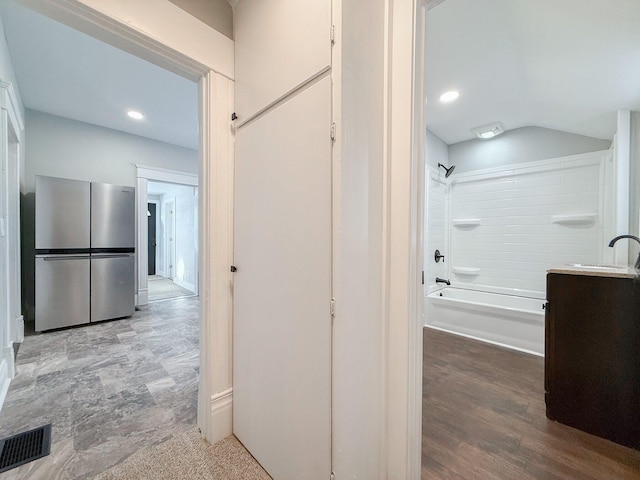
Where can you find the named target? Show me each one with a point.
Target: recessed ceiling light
(135, 115)
(450, 96)
(488, 131)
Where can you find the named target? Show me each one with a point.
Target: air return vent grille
(24, 447)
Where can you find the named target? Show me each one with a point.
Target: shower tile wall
(516, 239)
(436, 232)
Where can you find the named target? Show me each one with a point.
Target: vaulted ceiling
(67, 73)
(562, 64)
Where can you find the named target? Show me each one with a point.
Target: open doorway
(172, 234)
(152, 384)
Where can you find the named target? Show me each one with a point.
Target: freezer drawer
(62, 213)
(62, 291)
(112, 286)
(112, 216)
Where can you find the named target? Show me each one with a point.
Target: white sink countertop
(595, 270)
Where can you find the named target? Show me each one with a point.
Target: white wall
(520, 145)
(436, 229)
(634, 186)
(215, 13)
(186, 233)
(358, 380)
(436, 150)
(61, 147)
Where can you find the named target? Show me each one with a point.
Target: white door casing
(11, 322)
(144, 174)
(169, 210)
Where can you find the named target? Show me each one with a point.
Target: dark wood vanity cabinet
(592, 348)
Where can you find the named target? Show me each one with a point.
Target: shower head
(448, 171)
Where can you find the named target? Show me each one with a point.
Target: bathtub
(505, 320)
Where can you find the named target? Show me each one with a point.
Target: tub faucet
(613, 242)
(442, 280)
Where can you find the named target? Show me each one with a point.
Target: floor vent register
(24, 447)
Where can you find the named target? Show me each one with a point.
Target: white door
(282, 287)
(170, 209)
(279, 46)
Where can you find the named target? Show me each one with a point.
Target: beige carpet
(187, 456)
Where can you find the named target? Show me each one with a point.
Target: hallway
(108, 389)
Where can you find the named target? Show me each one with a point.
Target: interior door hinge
(423, 277)
(333, 34)
(332, 307)
(333, 132)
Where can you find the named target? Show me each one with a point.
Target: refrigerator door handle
(104, 255)
(65, 257)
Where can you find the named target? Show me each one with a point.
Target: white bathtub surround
(436, 231)
(504, 227)
(507, 320)
(510, 224)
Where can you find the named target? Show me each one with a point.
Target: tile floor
(107, 389)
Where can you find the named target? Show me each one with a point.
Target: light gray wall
(7, 73)
(215, 13)
(60, 147)
(436, 150)
(520, 145)
(186, 232)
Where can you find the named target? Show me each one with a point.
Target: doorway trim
(11, 320)
(168, 234)
(157, 220)
(167, 36)
(145, 174)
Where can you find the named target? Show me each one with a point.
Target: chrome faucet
(613, 242)
(442, 280)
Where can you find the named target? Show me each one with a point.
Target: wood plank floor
(484, 418)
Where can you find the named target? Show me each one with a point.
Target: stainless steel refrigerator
(85, 237)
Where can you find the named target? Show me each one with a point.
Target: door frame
(157, 216)
(167, 251)
(11, 320)
(155, 31)
(145, 174)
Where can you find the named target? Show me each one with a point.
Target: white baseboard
(19, 330)
(142, 298)
(186, 285)
(9, 356)
(221, 415)
(4, 381)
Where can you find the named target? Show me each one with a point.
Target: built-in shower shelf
(575, 219)
(466, 270)
(466, 222)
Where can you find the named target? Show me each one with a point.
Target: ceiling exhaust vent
(488, 131)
